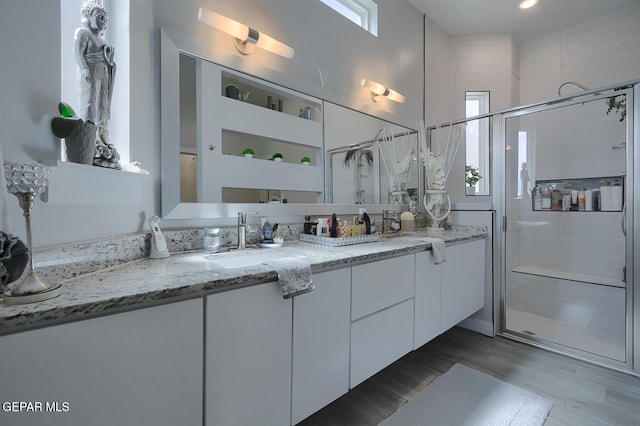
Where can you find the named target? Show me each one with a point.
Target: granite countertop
(146, 282)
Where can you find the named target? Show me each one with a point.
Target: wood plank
(582, 393)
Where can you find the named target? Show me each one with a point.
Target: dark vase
(81, 146)
(232, 92)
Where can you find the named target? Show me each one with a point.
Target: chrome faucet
(390, 222)
(243, 228)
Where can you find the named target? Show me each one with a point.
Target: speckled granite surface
(111, 276)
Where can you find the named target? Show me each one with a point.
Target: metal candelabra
(26, 181)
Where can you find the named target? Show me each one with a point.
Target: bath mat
(464, 396)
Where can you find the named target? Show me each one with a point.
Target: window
(477, 142)
(363, 13)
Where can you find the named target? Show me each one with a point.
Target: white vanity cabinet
(448, 293)
(321, 320)
(382, 315)
(427, 299)
(133, 368)
(462, 282)
(473, 277)
(248, 357)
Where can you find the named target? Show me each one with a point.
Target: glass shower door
(565, 250)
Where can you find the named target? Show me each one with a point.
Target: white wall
(594, 53)
(30, 34)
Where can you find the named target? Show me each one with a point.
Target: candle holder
(26, 181)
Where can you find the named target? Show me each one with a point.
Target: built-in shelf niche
(233, 143)
(594, 184)
(261, 195)
(269, 96)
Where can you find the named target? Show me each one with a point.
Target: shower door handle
(624, 220)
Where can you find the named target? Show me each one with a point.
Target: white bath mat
(464, 396)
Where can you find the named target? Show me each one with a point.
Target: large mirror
(204, 176)
(369, 160)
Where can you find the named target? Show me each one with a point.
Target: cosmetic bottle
(556, 198)
(537, 198)
(581, 201)
(546, 198)
(588, 200)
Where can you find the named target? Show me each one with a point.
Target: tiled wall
(594, 53)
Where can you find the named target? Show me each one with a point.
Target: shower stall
(564, 190)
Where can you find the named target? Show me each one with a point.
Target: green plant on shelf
(233, 91)
(472, 175)
(248, 151)
(305, 160)
(277, 155)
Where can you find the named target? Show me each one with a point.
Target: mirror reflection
(358, 147)
(245, 140)
(477, 144)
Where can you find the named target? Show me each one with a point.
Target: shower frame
(632, 196)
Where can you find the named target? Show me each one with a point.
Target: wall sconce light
(378, 90)
(244, 38)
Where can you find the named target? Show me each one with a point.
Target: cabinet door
(380, 284)
(248, 357)
(451, 313)
(321, 321)
(134, 368)
(427, 299)
(380, 339)
(473, 275)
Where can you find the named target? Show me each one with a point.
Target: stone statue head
(94, 16)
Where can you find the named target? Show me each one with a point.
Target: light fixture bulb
(395, 96)
(245, 38)
(526, 4)
(378, 90)
(227, 25)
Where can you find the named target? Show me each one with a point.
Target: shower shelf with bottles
(594, 194)
(229, 126)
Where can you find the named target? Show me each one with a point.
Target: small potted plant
(305, 160)
(248, 152)
(232, 90)
(472, 178)
(276, 157)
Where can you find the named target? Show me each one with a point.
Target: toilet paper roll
(588, 200)
(616, 198)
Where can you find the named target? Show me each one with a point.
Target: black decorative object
(14, 257)
(232, 91)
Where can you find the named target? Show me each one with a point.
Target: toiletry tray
(339, 242)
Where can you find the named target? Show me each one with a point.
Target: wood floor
(583, 394)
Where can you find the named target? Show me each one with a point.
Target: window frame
(363, 13)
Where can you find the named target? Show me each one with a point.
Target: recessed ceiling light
(526, 4)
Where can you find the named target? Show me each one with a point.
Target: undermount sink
(237, 259)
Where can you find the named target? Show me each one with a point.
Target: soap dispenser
(159, 248)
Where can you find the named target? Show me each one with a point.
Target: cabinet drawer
(377, 285)
(380, 339)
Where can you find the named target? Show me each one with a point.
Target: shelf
(266, 174)
(77, 183)
(261, 91)
(569, 276)
(594, 184)
(228, 125)
(251, 119)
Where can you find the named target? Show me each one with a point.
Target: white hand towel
(294, 275)
(437, 249)
(4, 211)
